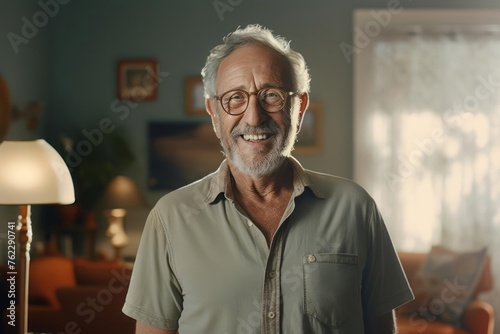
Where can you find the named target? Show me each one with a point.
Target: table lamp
(120, 195)
(31, 172)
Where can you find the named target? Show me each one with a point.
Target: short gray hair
(255, 34)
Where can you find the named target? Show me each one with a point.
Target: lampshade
(122, 193)
(32, 172)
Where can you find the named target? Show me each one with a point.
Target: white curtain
(427, 140)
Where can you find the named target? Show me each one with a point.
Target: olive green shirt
(204, 267)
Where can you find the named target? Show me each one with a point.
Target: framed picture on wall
(310, 137)
(181, 152)
(137, 80)
(193, 95)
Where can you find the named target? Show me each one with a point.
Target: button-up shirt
(204, 267)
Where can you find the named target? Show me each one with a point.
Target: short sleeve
(154, 296)
(384, 286)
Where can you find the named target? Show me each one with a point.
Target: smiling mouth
(251, 137)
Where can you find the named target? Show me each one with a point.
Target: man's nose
(255, 114)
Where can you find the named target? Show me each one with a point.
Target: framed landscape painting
(180, 153)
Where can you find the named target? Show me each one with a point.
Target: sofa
(77, 296)
(477, 319)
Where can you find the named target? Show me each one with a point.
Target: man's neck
(264, 199)
(262, 188)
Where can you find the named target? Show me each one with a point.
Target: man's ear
(211, 111)
(304, 103)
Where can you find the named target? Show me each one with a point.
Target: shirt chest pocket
(331, 288)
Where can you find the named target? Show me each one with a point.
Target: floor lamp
(31, 172)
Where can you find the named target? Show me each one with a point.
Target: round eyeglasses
(235, 102)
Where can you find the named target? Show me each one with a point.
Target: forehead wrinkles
(253, 66)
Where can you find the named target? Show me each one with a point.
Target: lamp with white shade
(31, 172)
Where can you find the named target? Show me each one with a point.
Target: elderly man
(262, 245)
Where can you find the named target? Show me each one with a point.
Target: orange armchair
(478, 317)
(61, 291)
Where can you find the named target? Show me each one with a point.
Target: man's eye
(237, 97)
(270, 96)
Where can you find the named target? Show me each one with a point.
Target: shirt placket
(272, 288)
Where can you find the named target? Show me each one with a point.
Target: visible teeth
(255, 137)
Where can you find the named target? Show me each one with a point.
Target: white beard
(270, 161)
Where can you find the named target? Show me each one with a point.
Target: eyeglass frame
(248, 94)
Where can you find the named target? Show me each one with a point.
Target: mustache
(268, 127)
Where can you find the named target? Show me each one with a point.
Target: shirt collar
(220, 182)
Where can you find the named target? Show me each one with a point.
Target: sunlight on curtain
(427, 140)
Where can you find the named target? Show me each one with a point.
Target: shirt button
(271, 315)
(311, 258)
(272, 274)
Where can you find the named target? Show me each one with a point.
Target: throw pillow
(47, 274)
(448, 281)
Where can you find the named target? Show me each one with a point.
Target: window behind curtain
(427, 135)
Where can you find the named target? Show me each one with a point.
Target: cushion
(419, 326)
(447, 283)
(96, 272)
(46, 275)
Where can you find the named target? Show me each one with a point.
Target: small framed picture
(310, 137)
(137, 80)
(193, 95)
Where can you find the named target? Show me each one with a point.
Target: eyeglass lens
(270, 99)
